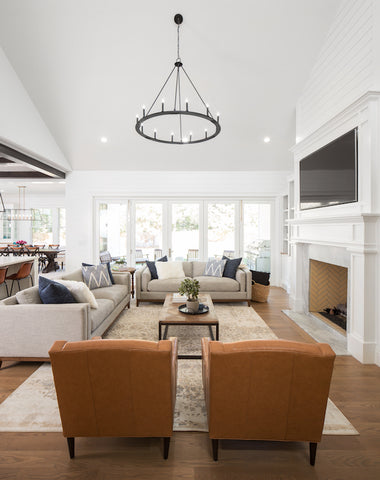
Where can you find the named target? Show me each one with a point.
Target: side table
(131, 270)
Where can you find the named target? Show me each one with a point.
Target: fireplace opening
(328, 293)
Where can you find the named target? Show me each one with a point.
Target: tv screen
(329, 175)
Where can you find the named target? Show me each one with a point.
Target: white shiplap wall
(344, 69)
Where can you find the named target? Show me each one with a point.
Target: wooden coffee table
(170, 315)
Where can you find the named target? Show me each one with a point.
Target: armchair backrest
(267, 389)
(115, 387)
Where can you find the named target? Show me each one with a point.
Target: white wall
(348, 66)
(82, 187)
(21, 126)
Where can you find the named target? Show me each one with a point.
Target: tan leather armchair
(266, 390)
(116, 388)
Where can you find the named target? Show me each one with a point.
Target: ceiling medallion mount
(181, 119)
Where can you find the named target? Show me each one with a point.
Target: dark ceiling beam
(38, 166)
(28, 174)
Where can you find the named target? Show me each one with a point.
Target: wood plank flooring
(355, 389)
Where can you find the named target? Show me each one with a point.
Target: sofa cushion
(232, 264)
(96, 276)
(168, 285)
(96, 317)
(152, 266)
(218, 284)
(116, 293)
(168, 270)
(198, 268)
(29, 295)
(53, 292)
(188, 268)
(214, 268)
(80, 292)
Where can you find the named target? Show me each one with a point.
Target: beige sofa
(221, 289)
(28, 331)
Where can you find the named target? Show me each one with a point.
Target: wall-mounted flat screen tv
(329, 176)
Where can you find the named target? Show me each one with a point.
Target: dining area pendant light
(19, 214)
(183, 125)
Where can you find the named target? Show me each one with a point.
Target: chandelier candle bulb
(155, 133)
(187, 105)
(205, 132)
(143, 110)
(172, 136)
(190, 136)
(137, 118)
(163, 104)
(217, 117)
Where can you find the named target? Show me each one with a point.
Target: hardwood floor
(355, 389)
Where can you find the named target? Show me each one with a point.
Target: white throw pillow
(80, 292)
(167, 270)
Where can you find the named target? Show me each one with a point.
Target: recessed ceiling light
(104, 139)
(266, 139)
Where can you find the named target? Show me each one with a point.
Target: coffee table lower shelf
(212, 323)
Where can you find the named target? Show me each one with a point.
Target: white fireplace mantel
(349, 232)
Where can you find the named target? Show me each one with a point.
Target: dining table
(51, 255)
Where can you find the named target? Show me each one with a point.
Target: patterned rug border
(190, 412)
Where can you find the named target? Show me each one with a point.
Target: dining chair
(23, 272)
(193, 254)
(54, 245)
(3, 274)
(157, 253)
(140, 257)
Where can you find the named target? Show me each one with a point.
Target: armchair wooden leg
(71, 445)
(166, 447)
(313, 452)
(215, 444)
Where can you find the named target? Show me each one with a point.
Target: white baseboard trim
(365, 352)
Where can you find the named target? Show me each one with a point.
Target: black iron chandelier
(183, 125)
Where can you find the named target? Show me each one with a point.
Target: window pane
(221, 228)
(62, 226)
(148, 230)
(42, 229)
(7, 226)
(185, 231)
(113, 228)
(257, 236)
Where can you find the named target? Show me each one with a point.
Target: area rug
(320, 331)
(33, 406)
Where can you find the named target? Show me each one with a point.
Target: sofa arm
(143, 277)
(122, 278)
(30, 330)
(244, 277)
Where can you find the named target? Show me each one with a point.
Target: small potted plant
(190, 288)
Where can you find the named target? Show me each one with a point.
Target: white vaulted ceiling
(89, 65)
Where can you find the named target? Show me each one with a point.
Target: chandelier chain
(178, 57)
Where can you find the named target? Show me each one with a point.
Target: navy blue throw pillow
(232, 264)
(54, 292)
(152, 267)
(108, 268)
(260, 277)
